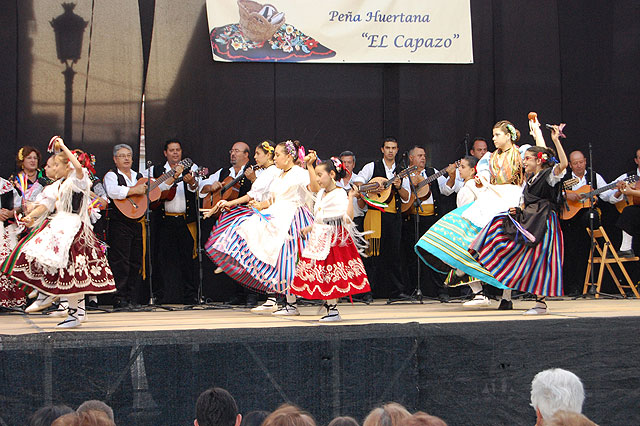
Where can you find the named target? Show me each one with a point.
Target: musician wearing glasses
(430, 196)
(385, 241)
(174, 230)
(575, 220)
(124, 234)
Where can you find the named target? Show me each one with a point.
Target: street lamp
(69, 31)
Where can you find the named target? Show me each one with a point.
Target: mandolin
(586, 193)
(422, 189)
(379, 189)
(134, 206)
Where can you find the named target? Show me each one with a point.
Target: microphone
(149, 163)
(548, 126)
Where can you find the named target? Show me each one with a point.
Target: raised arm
(562, 157)
(72, 158)
(309, 160)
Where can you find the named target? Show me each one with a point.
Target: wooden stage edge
(379, 312)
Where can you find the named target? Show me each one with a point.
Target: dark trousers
(125, 257)
(431, 282)
(174, 265)
(577, 246)
(386, 269)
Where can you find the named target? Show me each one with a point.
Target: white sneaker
(268, 307)
(287, 310)
(60, 312)
(478, 301)
(43, 301)
(537, 310)
(218, 270)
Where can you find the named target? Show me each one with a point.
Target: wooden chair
(604, 248)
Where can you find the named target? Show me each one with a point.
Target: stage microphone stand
(592, 212)
(147, 224)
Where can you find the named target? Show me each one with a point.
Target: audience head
(556, 389)
(28, 158)
(479, 147)
(254, 418)
(344, 421)
(47, 414)
(95, 405)
(289, 415)
(216, 407)
(569, 418)
(388, 415)
(422, 419)
(348, 158)
(505, 134)
(86, 418)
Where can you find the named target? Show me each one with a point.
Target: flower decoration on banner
(266, 146)
(512, 131)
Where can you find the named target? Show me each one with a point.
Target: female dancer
(261, 251)
(11, 295)
(64, 257)
(448, 239)
(330, 266)
(523, 248)
(236, 209)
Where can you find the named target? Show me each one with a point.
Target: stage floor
(358, 314)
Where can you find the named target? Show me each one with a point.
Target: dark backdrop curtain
(572, 61)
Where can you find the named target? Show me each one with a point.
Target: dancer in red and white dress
(330, 266)
(64, 259)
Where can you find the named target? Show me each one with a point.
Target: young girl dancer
(523, 248)
(261, 251)
(502, 173)
(330, 266)
(64, 259)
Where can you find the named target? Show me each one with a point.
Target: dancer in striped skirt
(261, 251)
(523, 248)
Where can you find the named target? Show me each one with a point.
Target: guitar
(170, 193)
(421, 190)
(379, 188)
(586, 193)
(229, 191)
(628, 200)
(134, 206)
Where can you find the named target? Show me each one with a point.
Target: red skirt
(88, 271)
(341, 274)
(11, 295)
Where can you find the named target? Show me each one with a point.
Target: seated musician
(629, 220)
(429, 212)
(175, 231)
(385, 241)
(210, 189)
(576, 239)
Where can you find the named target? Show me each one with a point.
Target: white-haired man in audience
(553, 390)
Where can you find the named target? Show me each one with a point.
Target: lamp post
(69, 31)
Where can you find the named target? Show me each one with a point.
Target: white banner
(409, 31)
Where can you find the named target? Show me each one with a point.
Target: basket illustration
(259, 22)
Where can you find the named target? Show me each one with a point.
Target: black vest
(379, 170)
(587, 176)
(6, 200)
(435, 189)
(112, 211)
(189, 197)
